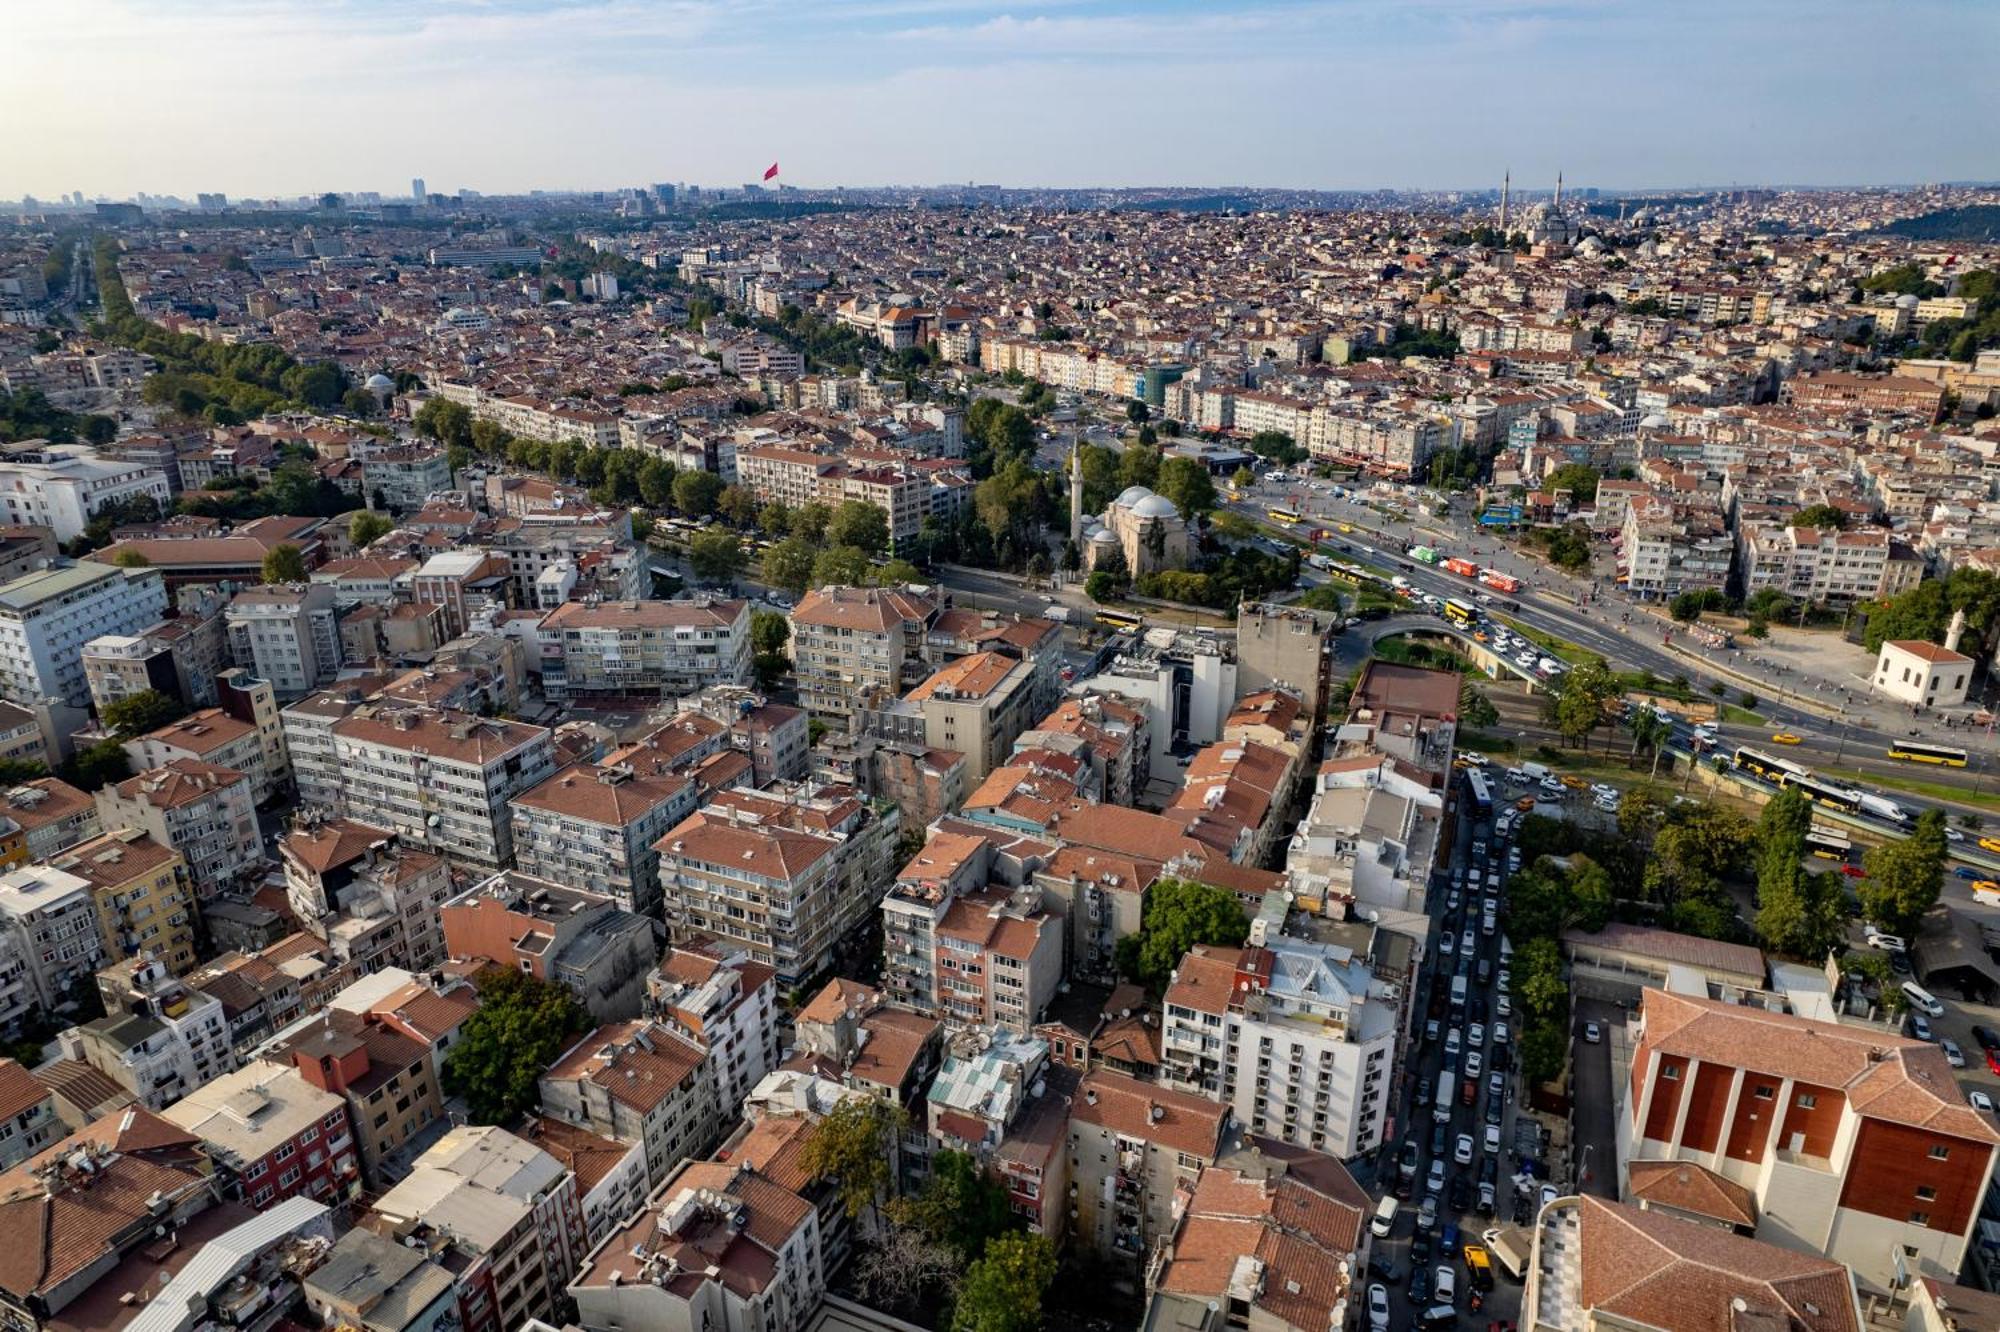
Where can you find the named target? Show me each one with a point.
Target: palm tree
(1650, 731)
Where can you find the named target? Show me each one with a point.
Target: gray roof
(220, 1260)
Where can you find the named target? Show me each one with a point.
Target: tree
(656, 482)
(1577, 478)
(715, 557)
(1178, 914)
(147, 710)
(1102, 586)
(1188, 484)
(695, 493)
(1821, 515)
(1641, 812)
(1650, 732)
(895, 573)
(1538, 978)
(1137, 413)
(809, 521)
(284, 564)
(1798, 913)
(1243, 478)
(899, 1266)
(861, 524)
(1904, 876)
(521, 1025)
(365, 527)
(1475, 709)
(1590, 894)
(97, 765)
(738, 505)
(1139, 465)
(769, 631)
(1544, 1047)
(854, 1146)
(1003, 1291)
(445, 421)
(840, 566)
(1575, 701)
(131, 559)
(789, 565)
(962, 1206)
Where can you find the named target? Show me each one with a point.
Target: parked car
(1980, 1100)
(1378, 1307)
(1592, 1033)
(1920, 1027)
(1462, 1152)
(1420, 1283)
(1952, 1054)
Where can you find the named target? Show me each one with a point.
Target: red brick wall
(1707, 1104)
(1669, 1080)
(1892, 1161)
(1819, 1124)
(1750, 1127)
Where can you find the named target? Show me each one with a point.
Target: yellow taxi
(1989, 844)
(1573, 782)
(1784, 738)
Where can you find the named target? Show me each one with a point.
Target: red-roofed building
(1854, 1142)
(1137, 1147)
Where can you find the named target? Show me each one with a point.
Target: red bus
(1463, 568)
(1500, 582)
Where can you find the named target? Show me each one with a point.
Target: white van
(1441, 1111)
(1534, 772)
(1922, 1000)
(1385, 1218)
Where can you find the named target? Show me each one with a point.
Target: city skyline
(275, 98)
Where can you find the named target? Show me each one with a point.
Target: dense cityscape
(740, 758)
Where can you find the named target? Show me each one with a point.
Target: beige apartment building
(978, 705)
(144, 898)
(846, 640)
(204, 812)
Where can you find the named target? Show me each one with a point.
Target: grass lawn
(1740, 716)
(1560, 649)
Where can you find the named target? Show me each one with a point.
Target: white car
(1552, 785)
(1888, 943)
(1453, 1042)
(1475, 1036)
(1980, 1100)
(1493, 1140)
(1444, 1290)
(1516, 776)
(1462, 1152)
(1501, 1035)
(1953, 835)
(1476, 759)
(1952, 1054)
(1434, 1182)
(1592, 1033)
(1604, 789)
(1448, 944)
(1378, 1307)
(1503, 1004)
(1475, 1063)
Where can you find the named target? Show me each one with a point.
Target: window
(1807, 1101)
(1920, 1218)
(1766, 1093)
(1925, 1193)
(1671, 1072)
(1940, 1153)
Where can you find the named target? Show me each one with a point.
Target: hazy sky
(280, 97)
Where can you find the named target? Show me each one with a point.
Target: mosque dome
(1907, 302)
(380, 383)
(1156, 506)
(1132, 495)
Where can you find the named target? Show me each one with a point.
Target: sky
(275, 98)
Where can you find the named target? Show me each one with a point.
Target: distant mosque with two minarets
(1543, 224)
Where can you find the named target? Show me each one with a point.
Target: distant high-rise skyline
(1409, 93)
(417, 188)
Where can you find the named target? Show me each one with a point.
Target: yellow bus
(1912, 752)
(1111, 619)
(1285, 516)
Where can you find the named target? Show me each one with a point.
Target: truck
(1882, 808)
(1500, 582)
(1060, 614)
(1424, 555)
(1508, 1248)
(1463, 568)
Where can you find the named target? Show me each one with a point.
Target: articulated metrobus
(1460, 613)
(1288, 517)
(1912, 752)
(1826, 793)
(1828, 845)
(1767, 766)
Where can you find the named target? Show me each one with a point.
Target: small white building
(1913, 671)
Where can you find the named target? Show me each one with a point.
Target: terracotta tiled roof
(613, 1058)
(1687, 1187)
(1177, 1121)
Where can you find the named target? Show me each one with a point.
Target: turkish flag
(771, 171)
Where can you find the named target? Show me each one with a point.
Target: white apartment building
(204, 812)
(729, 1006)
(1816, 564)
(289, 636)
(593, 826)
(160, 1038)
(50, 921)
(47, 617)
(657, 648)
(1291, 1035)
(63, 488)
(442, 779)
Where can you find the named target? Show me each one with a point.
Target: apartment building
(997, 959)
(1667, 549)
(639, 1082)
(63, 487)
(720, 1246)
(1817, 564)
(376, 902)
(204, 813)
(1292, 1221)
(1284, 647)
(160, 1038)
(272, 1135)
(52, 813)
(210, 736)
(288, 635)
(143, 893)
(984, 1103)
(388, 1079)
(1851, 1142)
(377, 1285)
(1134, 1147)
(846, 641)
(180, 658)
(501, 1214)
(654, 648)
(789, 878)
(610, 1175)
(593, 826)
(1839, 391)
(978, 705)
(28, 1116)
(50, 925)
(438, 778)
(401, 477)
(1292, 1035)
(47, 617)
(729, 1006)
(566, 936)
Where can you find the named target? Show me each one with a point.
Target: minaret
(1557, 210)
(1506, 185)
(1075, 488)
